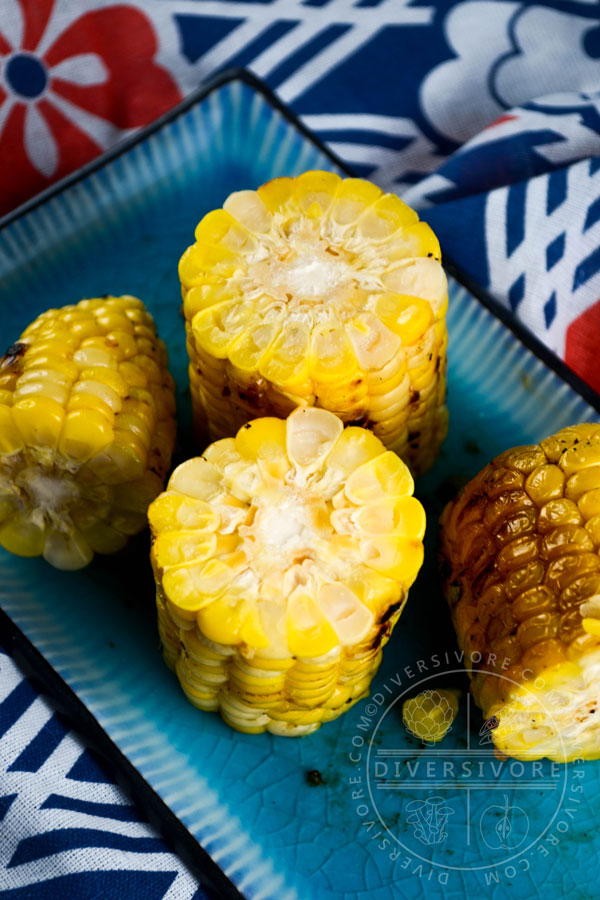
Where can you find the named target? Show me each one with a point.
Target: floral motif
(66, 96)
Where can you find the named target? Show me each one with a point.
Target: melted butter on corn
(318, 291)
(522, 547)
(86, 430)
(282, 559)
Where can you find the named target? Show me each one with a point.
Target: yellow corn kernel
(85, 432)
(67, 551)
(202, 262)
(22, 536)
(353, 197)
(582, 481)
(586, 453)
(221, 621)
(10, 435)
(133, 375)
(350, 619)
(408, 317)
(311, 434)
(173, 549)
(103, 538)
(285, 363)
(384, 476)
(276, 194)
(216, 327)
(220, 228)
(373, 343)
(308, 631)
(397, 558)
(248, 350)
(332, 354)
(264, 440)
(173, 512)
(39, 420)
(545, 483)
(589, 503)
(248, 208)
(400, 517)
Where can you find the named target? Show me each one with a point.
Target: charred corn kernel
(318, 291)
(522, 577)
(429, 715)
(282, 559)
(85, 443)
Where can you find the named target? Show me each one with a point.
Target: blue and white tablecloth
(485, 114)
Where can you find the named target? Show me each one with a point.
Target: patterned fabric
(485, 114)
(67, 830)
(454, 105)
(477, 110)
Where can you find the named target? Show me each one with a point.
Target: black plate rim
(34, 665)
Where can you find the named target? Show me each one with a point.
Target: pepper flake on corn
(86, 430)
(318, 291)
(282, 559)
(521, 548)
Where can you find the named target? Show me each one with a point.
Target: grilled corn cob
(282, 560)
(318, 291)
(86, 430)
(522, 576)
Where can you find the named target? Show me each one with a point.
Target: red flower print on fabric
(66, 96)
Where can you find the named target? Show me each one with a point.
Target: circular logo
(441, 792)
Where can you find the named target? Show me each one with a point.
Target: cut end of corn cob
(429, 715)
(86, 430)
(521, 549)
(282, 559)
(319, 291)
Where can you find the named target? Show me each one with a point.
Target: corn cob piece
(283, 559)
(318, 291)
(522, 576)
(86, 430)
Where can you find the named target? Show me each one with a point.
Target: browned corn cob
(318, 291)
(522, 576)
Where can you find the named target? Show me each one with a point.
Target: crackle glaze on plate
(247, 799)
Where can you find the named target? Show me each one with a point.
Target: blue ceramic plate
(380, 815)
